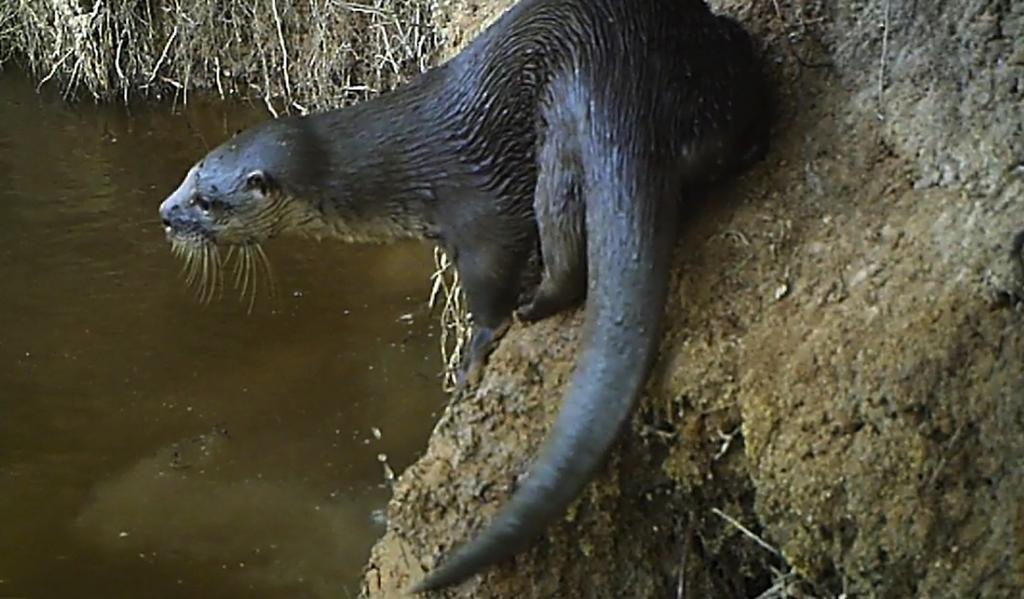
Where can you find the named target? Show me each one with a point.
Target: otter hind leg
(560, 221)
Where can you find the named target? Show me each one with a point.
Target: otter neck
(383, 159)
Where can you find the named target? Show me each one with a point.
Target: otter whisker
(184, 263)
(246, 258)
(212, 257)
(228, 256)
(255, 278)
(211, 274)
(271, 285)
(201, 263)
(204, 274)
(197, 276)
(218, 270)
(183, 254)
(238, 266)
(193, 260)
(251, 266)
(243, 271)
(249, 275)
(197, 265)
(192, 264)
(207, 259)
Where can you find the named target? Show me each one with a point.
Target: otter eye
(256, 180)
(202, 203)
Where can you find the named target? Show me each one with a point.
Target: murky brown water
(154, 447)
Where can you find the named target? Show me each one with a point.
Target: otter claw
(469, 375)
(532, 312)
(481, 344)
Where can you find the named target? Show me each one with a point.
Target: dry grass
(446, 295)
(295, 54)
(10, 29)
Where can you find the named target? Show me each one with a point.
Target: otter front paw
(481, 344)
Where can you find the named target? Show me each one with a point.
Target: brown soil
(844, 370)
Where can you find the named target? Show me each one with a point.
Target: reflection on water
(154, 447)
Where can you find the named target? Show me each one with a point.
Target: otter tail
(631, 217)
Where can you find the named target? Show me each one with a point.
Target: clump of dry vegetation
(9, 28)
(295, 54)
(446, 298)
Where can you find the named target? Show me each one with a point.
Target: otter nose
(168, 209)
(171, 210)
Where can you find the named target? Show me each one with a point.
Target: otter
(572, 129)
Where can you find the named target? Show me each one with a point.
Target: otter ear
(257, 180)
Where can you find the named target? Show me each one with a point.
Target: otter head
(237, 197)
